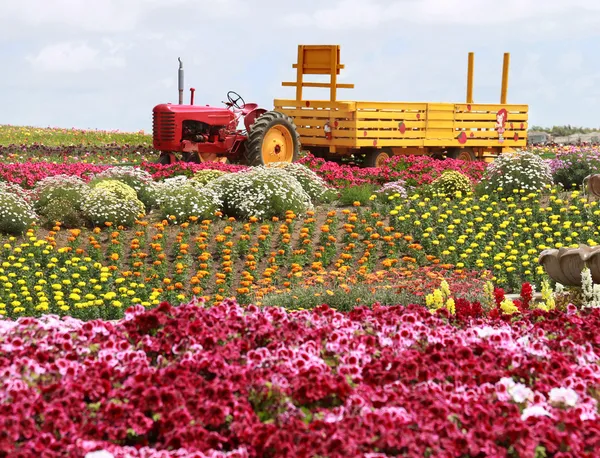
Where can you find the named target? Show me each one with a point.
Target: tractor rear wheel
(273, 138)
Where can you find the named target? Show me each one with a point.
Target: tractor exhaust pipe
(180, 81)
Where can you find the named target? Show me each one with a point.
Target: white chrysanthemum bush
(516, 171)
(262, 192)
(16, 214)
(313, 184)
(59, 198)
(140, 180)
(182, 199)
(26, 194)
(112, 201)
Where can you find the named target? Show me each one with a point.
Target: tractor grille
(163, 126)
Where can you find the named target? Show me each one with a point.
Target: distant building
(576, 139)
(592, 137)
(538, 138)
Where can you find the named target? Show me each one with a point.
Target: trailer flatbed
(465, 130)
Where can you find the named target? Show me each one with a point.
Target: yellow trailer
(467, 130)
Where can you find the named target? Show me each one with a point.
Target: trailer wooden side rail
(466, 130)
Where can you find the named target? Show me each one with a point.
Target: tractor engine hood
(214, 116)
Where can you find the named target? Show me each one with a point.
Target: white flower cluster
(559, 397)
(394, 187)
(168, 185)
(102, 206)
(313, 184)
(517, 170)
(126, 171)
(262, 192)
(16, 214)
(47, 186)
(521, 394)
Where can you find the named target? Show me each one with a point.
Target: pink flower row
(228, 381)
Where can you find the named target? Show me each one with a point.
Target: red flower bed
(224, 381)
(27, 174)
(160, 172)
(415, 170)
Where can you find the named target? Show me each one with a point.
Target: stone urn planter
(592, 184)
(564, 265)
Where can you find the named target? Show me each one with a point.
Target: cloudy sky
(105, 63)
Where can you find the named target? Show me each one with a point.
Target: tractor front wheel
(273, 138)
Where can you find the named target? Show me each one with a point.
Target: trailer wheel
(377, 157)
(463, 154)
(273, 138)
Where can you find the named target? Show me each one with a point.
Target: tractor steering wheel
(234, 101)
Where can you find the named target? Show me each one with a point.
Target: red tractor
(205, 133)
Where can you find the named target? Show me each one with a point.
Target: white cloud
(571, 61)
(97, 16)
(74, 58)
(120, 56)
(361, 14)
(346, 14)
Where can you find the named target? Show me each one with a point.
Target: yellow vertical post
(470, 78)
(505, 78)
(300, 72)
(334, 70)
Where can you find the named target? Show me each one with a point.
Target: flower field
(311, 309)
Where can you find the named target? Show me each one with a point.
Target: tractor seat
(248, 108)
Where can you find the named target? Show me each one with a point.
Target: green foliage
(361, 193)
(63, 210)
(340, 299)
(571, 169)
(55, 136)
(16, 214)
(59, 198)
(516, 171)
